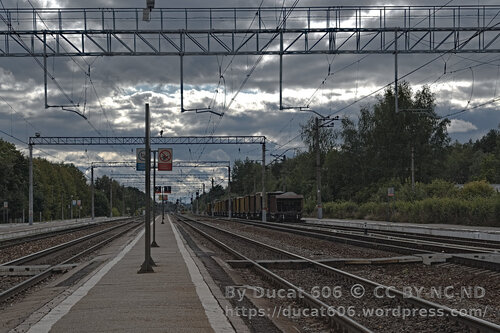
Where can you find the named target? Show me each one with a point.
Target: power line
(493, 100)
(13, 137)
(54, 79)
(249, 73)
(20, 114)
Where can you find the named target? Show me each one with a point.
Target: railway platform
(15, 230)
(177, 297)
(447, 230)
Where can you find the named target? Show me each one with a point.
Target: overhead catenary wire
(491, 101)
(250, 72)
(14, 137)
(21, 42)
(87, 74)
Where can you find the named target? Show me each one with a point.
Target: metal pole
(45, 67)
(71, 208)
(146, 265)
(412, 168)
(281, 70)
(264, 198)
(30, 213)
(154, 244)
(182, 83)
(229, 191)
(162, 211)
(396, 107)
(111, 197)
(62, 207)
(318, 168)
(92, 189)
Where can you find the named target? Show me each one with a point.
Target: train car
(271, 206)
(225, 207)
(280, 206)
(285, 206)
(251, 206)
(234, 207)
(246, 206)
(258, 206)
(241, 206)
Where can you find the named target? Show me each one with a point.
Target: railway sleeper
(32, 270)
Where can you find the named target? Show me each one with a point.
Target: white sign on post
(141, 159)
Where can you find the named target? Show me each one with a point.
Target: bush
(116, 212)
(476, 211)
(346, 209)
(476, 189)
(407, 193)
(309, 207)
(379, 191)
(439, 188)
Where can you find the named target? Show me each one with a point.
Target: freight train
(281, 206)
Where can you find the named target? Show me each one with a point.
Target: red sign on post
(165, 159)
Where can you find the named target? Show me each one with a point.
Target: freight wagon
(281, 206)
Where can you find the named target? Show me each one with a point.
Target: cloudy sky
(113, 96)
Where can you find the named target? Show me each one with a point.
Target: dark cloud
(114, 102)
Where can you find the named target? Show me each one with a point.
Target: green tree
(327, 136)
(13, 180)
(246, 177)
(383, 141)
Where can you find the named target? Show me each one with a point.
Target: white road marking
(46, 323)
(214, 312)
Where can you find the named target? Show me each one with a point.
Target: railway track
(59, 258)
(469, 255)
(302, 281)
(410, 235)
(413, 244)
(10, 242)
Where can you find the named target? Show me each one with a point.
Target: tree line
(362, 158)
(55, 187)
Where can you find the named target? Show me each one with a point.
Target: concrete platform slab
(448, 230)
(116, 299)
(16, 230)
